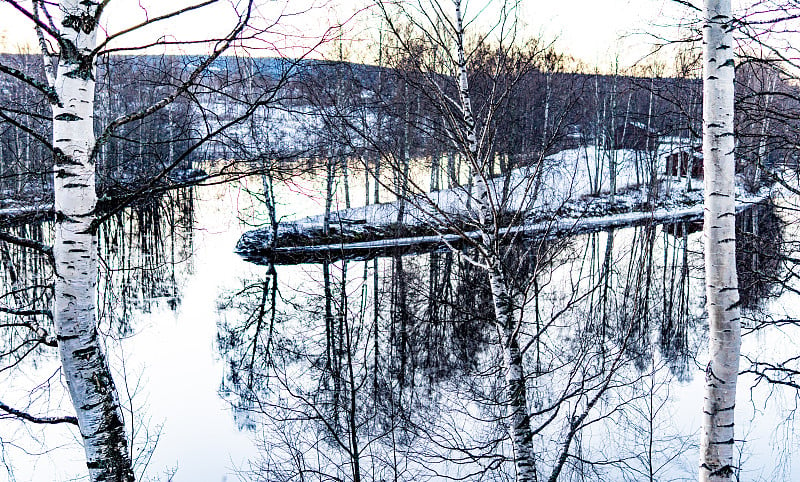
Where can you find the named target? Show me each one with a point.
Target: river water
(238, 371)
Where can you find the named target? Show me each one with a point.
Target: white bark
(716, 449)
(516, 392)
(84, 364)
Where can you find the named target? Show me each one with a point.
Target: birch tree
(74, 29)
(722, 295)
(91, 385)
(516, 393)
(471, 138)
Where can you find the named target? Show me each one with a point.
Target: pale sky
(587, 29)
(596, 30)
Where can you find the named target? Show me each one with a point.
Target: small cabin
(635, 136)
(685, 159)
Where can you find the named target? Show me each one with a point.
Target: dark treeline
(248, 109)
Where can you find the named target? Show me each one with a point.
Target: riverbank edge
(304, 240)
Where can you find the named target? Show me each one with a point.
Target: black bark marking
(724, 471)
(710, 375)
(61, 159)
(81, 23)
(734, 305)
(723, 442)
(85, 353)
(67, 117)
(63, 174)
(82, 64)
(90, 406)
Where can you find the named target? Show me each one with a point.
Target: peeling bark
(716, 446)
(85, 367)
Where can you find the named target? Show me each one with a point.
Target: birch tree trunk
(716, 446)
(84, 364)
(516, 392)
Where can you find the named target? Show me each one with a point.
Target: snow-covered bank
(541, 191)
(372, 230)
(13, 212)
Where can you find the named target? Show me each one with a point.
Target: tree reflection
(760, 252)
(140, 250)
(388, 369)
(143, 251)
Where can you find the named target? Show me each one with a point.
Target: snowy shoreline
(354, 234)
(14, 213)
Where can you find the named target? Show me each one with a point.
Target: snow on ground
(567, 175)
(559, 195)
(22, 210)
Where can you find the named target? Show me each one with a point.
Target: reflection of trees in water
(760, 251)
(677, 320)
(309, 378)
(139, 248)
(248, 345)
(441, 308)
(767, 264)
(639, 288)
(349, 397)
(387, 369)
(655, 301)
(27, 293)
(646, 283)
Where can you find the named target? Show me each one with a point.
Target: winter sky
(595, 31)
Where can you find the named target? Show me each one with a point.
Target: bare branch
(686, 3)
(45, 89)
(49, 71)
(148, 22)
(42, 420)
(28, 243)
(183, 88)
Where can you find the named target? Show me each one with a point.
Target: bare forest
(397, 241)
